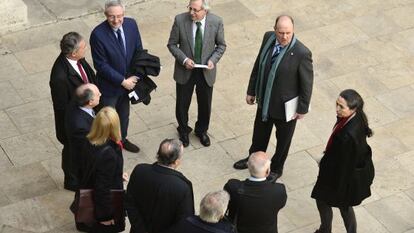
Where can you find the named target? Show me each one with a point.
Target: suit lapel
(111, 35)
(189, 32)
(73, 77)
(206, 34)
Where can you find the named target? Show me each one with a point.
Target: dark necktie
(82, 72)
(276, 53)
(121, 42)
(198, 44)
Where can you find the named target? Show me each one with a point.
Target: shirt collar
(251, 178)
(202, 21)
(89, 111)
(114, 30)
(72, 62)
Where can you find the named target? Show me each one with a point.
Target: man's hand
(189, 64)
(130, 82)
(210, 65)
(108, 223)
(298, 116)
(125, 177)
(250, 99)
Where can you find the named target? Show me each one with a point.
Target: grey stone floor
(366, 45)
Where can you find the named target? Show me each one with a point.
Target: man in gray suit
(197, 38)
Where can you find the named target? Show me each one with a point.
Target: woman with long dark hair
(346, 170)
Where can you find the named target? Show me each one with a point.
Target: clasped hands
(130, 82)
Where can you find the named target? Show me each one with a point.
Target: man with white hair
(211, 219)
(256, 201)
(113, 45)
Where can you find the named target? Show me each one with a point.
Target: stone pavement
(366, 45)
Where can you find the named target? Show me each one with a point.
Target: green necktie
(198, 44)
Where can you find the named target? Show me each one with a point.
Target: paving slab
(7, 127)
(366, 45)
(32, 116)
(396, 212)
(16, 185)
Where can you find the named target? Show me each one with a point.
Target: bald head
(259, 164)
(87, 95)
(284, 29)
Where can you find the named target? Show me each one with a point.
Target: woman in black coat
(103, 169)
(346, 170)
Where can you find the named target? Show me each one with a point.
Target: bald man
(283, 70)
(78, 122)
(256, 201)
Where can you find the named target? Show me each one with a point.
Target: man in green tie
(197, 38)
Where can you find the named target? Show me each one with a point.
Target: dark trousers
(121, 105)
(261, 136)
(204, 94)
(325, 212)
(69, 169)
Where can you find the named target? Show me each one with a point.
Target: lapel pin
(291, 54)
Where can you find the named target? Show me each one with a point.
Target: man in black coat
(211, 219)
(79, 120)
(69, 71)
(255, 202)
(283, 70)
(158, 196)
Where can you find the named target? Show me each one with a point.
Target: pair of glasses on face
(190, 9)
(114, 17)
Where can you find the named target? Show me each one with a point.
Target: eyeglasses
(113, 17)
(190, 9)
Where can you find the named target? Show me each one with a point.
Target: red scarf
(341, 122)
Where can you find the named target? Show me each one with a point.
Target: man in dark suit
(113, 44)
(283, 70)
(211, 219)
(69, 71)
(79, 120)
(159, 196)
(255, 202)
(197, 37)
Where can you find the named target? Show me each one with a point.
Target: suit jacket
(294, 77)
(181, 45)
(78, 125)
(103, 166)
(63, 82)
(109, 60)
(194, 224)
(255, 205)
(157, 198)
(346, 170)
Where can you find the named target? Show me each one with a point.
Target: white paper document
(290, 108)
(200, 66)
(133, 94)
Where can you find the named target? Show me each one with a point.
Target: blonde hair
(105, 126)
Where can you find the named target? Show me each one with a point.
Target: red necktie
(84, 77)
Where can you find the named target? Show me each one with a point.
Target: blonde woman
(103, 169)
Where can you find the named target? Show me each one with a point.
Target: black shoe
(273, 176)
(241, 164)
(204, 138)
(184, 139)
(129, 146)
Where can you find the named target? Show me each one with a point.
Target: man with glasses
(197, 38)
(113, 45)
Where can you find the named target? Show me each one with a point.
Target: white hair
(111, 3)
(213, 206)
